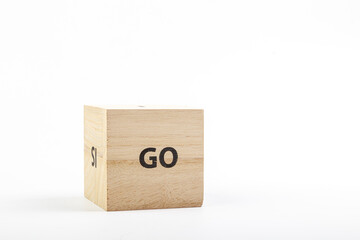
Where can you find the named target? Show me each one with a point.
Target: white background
(279, 82)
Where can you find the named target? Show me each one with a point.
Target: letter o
(162, 154)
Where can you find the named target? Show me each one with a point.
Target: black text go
(153, 159)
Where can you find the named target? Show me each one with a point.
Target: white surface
(279, 81)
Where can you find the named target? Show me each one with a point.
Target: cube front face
(154, 158)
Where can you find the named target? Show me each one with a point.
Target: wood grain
(95, 179)
(127, 132)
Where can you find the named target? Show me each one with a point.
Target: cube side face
(155, 158)
(95, 187)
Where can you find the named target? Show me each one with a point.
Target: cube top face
(146, 157)
(141, 107)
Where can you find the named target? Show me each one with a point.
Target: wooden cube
(143, 157)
